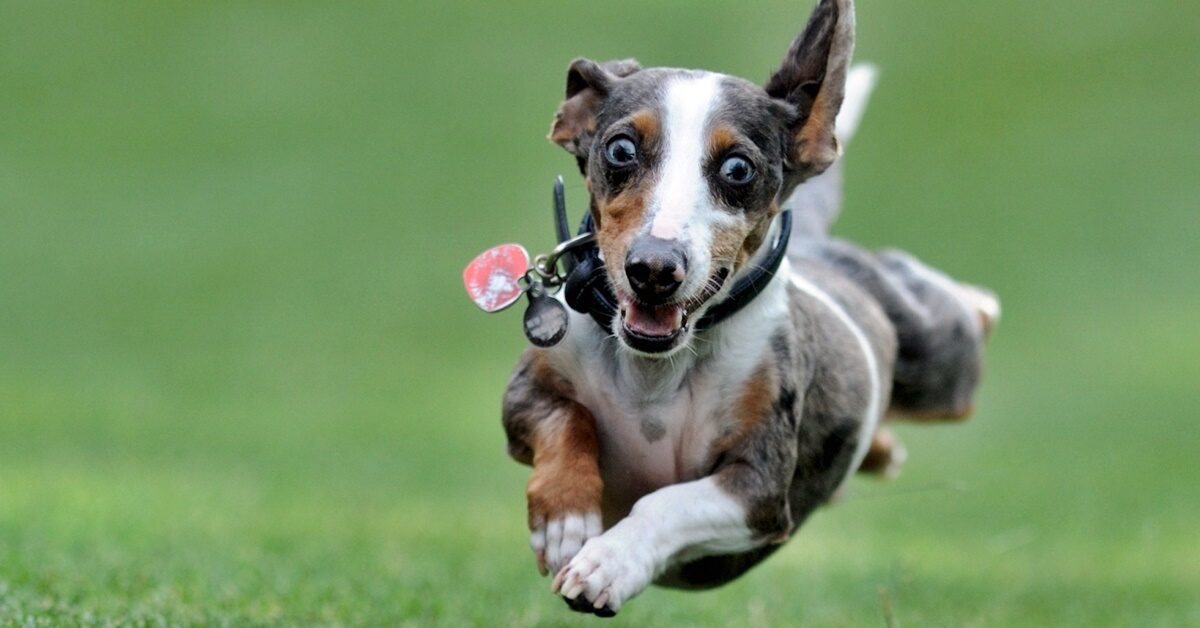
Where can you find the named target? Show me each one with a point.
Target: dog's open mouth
(653, 321)
(651, 328)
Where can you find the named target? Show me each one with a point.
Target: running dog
(744, 360)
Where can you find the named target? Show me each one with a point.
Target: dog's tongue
(648, 320)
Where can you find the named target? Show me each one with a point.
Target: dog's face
(686, 168)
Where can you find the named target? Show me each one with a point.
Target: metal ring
(526, 280)
(579, 240)
(546, 264)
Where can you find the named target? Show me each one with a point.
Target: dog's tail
(816, 203)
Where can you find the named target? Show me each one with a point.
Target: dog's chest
(646, 444)
(661, 422)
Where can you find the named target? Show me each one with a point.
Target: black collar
(587, 289)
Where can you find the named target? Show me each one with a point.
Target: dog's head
(686, 169)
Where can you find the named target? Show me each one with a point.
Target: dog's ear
(588, 84)
(812, 79)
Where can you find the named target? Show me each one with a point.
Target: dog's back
(940, 324)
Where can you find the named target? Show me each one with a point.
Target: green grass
(239, 383)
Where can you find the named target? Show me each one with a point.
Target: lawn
(240, 383)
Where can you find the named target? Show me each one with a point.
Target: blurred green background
(240, 383)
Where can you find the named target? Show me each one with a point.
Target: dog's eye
(620, 151)
(737, 170)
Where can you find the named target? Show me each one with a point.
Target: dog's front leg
(564, 490)
(558, 437)
(735, 510)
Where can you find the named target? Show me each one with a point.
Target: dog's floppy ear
(588, 83)
(812, 78)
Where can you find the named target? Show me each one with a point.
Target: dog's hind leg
(941, 348)
(920, 277)
(886, 455)
(940, 324)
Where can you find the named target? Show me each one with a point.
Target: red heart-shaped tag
(492, 279)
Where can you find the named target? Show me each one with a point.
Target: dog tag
(493, 278)
(545, 318)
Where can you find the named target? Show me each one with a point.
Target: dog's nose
(655, 268)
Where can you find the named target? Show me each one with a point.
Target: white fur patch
(696, 518)
(556, 542)
(871, 417)
(682, 190)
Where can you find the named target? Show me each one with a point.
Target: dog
(734, 382)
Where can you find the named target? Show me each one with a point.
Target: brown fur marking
(646, 124)
(575, 118)
(752, 405)
(755, 239)
(722, 139)
(816, 147)
(740, 244)
(620, 219)
(566, 451)
(566, 469)
(727, 242)
(957, 414)
(549, 378)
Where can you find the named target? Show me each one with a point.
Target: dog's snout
(655, 268)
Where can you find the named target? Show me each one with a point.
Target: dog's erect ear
(813, 79)
(588, 83)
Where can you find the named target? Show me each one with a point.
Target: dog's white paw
(557, 540)
(985, 303)
(607, 572)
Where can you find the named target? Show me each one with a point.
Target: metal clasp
(546, 264)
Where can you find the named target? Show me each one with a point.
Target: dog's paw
(985, 303)
(886, 456)
(581, 605)
(555, 540)
(606, 573)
